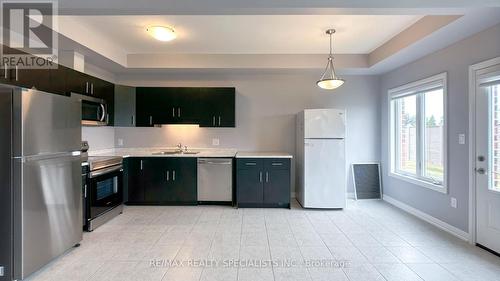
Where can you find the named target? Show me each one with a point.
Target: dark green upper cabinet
(217, 107)
(182, 105)
(148, 108)
(208, 107)
(125, 115)
(47, 80)
(77, 82)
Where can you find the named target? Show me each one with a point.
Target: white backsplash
(99, 137)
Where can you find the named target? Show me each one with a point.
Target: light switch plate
(461, 138)
(215, 141)
(453, 202)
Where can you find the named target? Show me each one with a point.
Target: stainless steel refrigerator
(40, 170)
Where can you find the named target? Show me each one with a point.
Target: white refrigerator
(321, 166)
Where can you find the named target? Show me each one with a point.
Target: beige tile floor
(370, 240)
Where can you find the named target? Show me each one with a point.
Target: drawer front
(248, 163)
(277, 164)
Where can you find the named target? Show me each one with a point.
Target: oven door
(105, 188)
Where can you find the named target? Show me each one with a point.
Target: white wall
(266, 105)
(454, 60)
(99, 137)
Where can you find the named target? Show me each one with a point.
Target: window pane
(433, 135)
(494, 132)
(406, 134)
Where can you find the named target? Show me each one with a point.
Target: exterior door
(488, 157)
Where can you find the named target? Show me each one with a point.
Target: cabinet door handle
(86, 87)
(92, 88)
(168, 175)
(250, 163)
(219, 120)
(17, 73)
(267, 177)
(141, 165)
(173, 175)
(133, 121)
(173, 111)
(260, 176)
(213, 123)
(151, 120)
(85, 191)
(5, 70)
(179, 112)
(277, 164)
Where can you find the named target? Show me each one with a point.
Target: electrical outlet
(120, 142)
(461, 138)
(215, 141)
(453, 202)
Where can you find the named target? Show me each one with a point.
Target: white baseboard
(428, 218)
(351, 195)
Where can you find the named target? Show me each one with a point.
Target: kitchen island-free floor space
(370, 240)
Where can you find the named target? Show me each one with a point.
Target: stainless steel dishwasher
(215, 180)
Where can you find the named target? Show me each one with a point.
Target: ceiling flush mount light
(328, 80)
(162, 33)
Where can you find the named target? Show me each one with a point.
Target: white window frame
(414, 88)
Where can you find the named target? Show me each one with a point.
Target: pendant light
(328, 80)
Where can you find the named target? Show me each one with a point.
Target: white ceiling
(246, 34)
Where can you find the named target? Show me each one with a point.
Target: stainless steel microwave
(94, 110)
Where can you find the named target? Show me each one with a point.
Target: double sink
(176, 152)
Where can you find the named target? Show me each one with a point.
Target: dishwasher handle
(215, 161)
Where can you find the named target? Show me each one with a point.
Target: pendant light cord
(330, 45)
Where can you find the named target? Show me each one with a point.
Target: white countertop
(258, 154)
(152, 152)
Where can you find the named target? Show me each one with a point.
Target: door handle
(141, 165)
(86, 87)
(5, 70)
(179, 112)
(133, 121)
(168, 175)
(17, 73)
(151, 120)
(173, 111)
(260, 176)
(103, 117)
(85, 191)
(91, 88)
(219, 120)
(267, 177)
(213, 122)
(480, 171)
(173, 175)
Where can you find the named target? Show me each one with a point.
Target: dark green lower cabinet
(133, 190)
(162, 181)
(263, 182)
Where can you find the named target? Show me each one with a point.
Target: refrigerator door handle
(47, 156)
